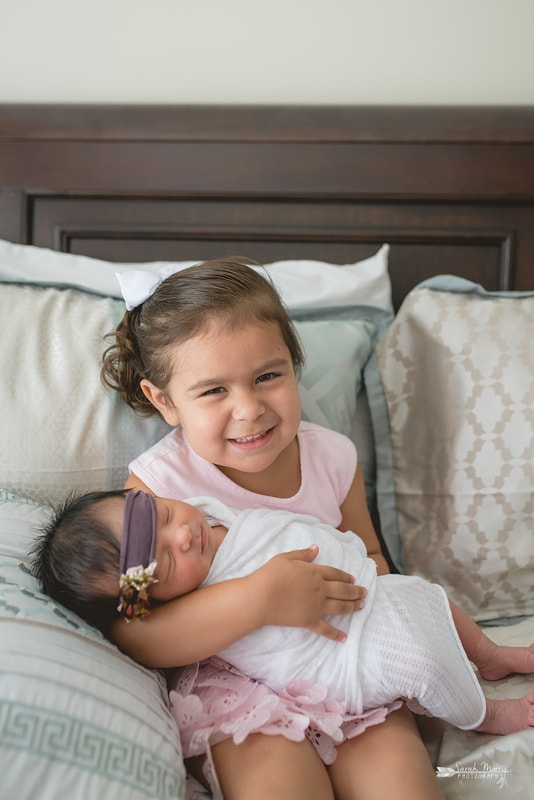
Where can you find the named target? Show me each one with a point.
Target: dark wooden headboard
(451, 189)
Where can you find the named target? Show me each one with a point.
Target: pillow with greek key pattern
(78, 718)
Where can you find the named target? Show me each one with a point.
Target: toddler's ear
(159, 401)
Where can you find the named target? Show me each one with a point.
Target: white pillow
(301, 283)
(22, 263)
(304, 284)
(79, 718)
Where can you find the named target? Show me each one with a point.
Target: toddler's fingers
(334, 574)
(323, 628)
(306, 554)
(335, 606)
(326, 572)
(340, 590)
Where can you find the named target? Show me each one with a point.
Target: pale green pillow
(331, 384)
(336, 352)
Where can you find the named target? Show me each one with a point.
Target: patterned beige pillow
(62, 432)
(457, 369)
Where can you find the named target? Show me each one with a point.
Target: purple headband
(138, 546)
(138, 531)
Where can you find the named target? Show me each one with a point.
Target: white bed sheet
(481, 766)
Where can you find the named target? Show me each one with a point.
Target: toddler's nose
(248, 407)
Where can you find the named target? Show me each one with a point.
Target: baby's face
(185, 546)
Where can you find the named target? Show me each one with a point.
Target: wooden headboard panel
(451, 189)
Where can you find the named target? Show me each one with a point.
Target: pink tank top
(327, 459)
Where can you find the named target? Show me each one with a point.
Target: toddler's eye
(216, 390)
(267, 376)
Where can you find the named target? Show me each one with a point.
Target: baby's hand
(290, 591)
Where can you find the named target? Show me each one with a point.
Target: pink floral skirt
(212, 701)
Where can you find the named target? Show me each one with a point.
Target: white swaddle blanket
(402, 644)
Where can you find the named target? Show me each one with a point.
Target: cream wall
(274, 51)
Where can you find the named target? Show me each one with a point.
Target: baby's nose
(184, 537)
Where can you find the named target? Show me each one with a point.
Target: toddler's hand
(290, 591)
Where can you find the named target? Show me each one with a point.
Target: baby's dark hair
(227, 291)
(76, 558)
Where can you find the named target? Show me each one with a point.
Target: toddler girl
(212, 349)
(402, 645)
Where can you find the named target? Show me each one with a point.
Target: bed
(423, 352)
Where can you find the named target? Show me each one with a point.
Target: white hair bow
(139, 284)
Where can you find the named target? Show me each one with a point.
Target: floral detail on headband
(133, 591)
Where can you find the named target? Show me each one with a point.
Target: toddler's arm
(286, 591)
(356, 518)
